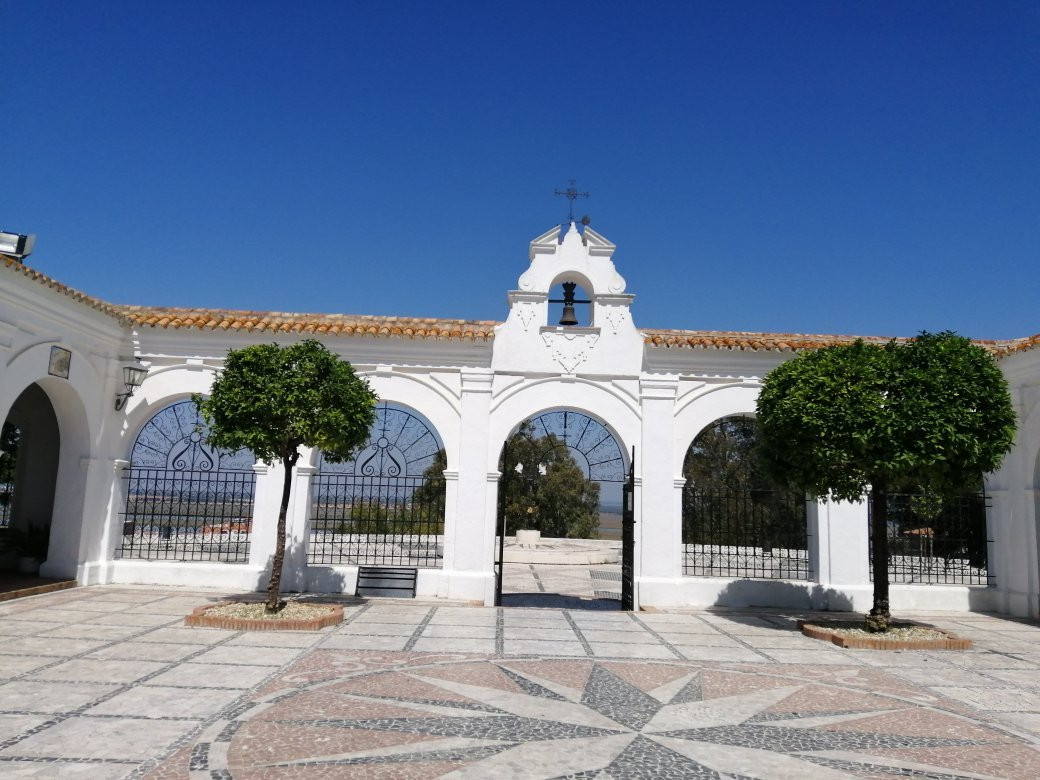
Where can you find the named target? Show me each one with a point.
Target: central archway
(560, 512)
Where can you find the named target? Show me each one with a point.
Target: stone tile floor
(107, 682)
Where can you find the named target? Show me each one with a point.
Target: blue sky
(834, 167)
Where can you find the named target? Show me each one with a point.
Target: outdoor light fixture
(133, 378)
(16, 245)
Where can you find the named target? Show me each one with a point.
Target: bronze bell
(568, 317)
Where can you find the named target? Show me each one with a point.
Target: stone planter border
(822, 632)
(200, 618)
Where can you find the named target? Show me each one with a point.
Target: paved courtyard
(107, 682)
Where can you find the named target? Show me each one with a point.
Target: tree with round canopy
(273, 400)
(932, 413)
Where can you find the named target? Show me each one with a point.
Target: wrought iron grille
(937, 541)
(756, 533)
(9, 439)
(736, 523)
(186, 501)
(587, 440)
(385, 507)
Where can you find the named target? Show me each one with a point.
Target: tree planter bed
(201, 617)
(831, 632)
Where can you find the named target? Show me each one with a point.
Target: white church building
(131, 492)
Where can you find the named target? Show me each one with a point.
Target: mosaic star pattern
(337, 714)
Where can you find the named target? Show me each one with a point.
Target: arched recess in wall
(576, 288)
(185, 500)
(385, 507)
(68, 399)
(736, 521)
(29, 452)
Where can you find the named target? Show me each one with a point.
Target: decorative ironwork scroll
(588, 441)
(185, 500)
(386, 506)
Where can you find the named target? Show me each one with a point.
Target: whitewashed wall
(474, 394)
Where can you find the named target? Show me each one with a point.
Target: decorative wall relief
(568, 348)
(615, 317)
(525, 312)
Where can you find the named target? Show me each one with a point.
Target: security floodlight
(16, 245)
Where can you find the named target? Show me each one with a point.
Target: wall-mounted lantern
(133, 378)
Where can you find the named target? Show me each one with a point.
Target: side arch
(706, 408)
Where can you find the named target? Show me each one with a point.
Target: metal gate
(628, 537)
(500, 533)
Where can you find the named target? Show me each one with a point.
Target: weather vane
(572, 194)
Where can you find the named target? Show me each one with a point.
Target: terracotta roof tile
(31, 273)
(320, 324)
(784, 342)
(1018, 345)
(432, 328)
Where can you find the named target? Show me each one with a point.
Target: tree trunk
(879, 618)
(274, 586)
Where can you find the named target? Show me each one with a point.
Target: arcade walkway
(107, 682)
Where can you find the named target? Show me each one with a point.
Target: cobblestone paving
(107, 682)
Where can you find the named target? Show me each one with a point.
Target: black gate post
(500, 526)
(628, 537)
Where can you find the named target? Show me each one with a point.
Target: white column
(266, 494)
(1012, 556)
(98, 554)
(659, 505)
(451, 506)
(469, 533)
(840, 555)
(75, 490)
(297, 530)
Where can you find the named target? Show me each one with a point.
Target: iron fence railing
(937, 541)
(377, 521)
(758, 533)
(187, 515)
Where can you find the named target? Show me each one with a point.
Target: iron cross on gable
(571, 194)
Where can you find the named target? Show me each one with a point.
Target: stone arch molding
(416, 396)
(72, 400)
(30, 365)
(161, 388)
(706, 408)
(616, 416)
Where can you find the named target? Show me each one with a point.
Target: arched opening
(569, 304)
(386, 506)
(560, 504)
(736, 522)
(938, 540)
(186, 500)
(29, 453)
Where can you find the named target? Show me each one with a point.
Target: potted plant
(31, 544)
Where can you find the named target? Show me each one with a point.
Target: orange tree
(932, 412)
(272, 400)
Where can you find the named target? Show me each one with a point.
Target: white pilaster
(266, 495)
(469, 537)
(297, 530)
(839, 552)
(658, 511)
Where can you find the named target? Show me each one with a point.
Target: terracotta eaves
(309, 324)
(87, 300)
(432, 328)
